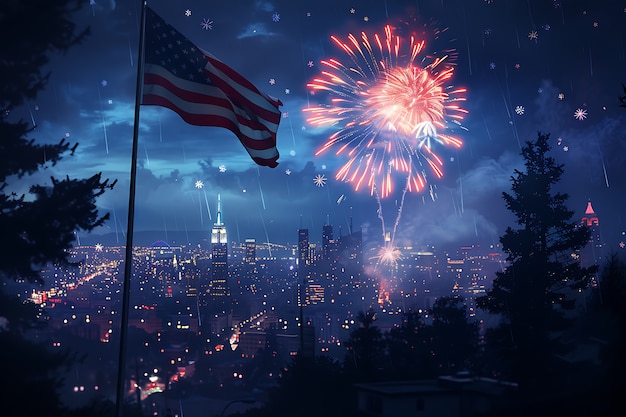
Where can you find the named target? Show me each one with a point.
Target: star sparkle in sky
(527, 66)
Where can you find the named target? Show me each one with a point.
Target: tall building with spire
(593, 253)
(219, 290)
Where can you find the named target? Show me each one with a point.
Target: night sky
(548, 58)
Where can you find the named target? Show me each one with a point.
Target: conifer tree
(453, 338)
(409, 348)
(38, 225)
(365, 348)
(535, 291)
(610, 312)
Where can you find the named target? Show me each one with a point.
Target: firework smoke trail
(206, 201)
(606, 177)
(201, 216)
(475, 226)
(130, 53)
(469, 53)
(160, 129)
(487, 129)
(397, 222)
(460, 185)
(117, 221)
(199, 185)
(165, 229)
(530, 13)
(117, 240)
(258, 178)
(267, 236)
(186, 231)
(262, 198)
(293, 136)
(454, 204)
(147, 158)
(379, 212)
(508, 112)
(32, 118)
(104, 126)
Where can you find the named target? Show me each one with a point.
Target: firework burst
(391, 107)
(389, 256)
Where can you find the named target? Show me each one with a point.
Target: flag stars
(182, 60)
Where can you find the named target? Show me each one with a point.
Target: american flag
(206, 92)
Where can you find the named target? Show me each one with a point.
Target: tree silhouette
(610, 313)
(309, 387)
(409, 348)
(454, 339)
(365, 348)
(38, 225)
(533, 293)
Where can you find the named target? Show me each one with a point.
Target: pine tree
(610, 313)
(533, 294)
(453, 338)
(409, 348)
(365, 348)
(38, 226)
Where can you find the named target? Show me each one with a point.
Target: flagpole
(128, 259)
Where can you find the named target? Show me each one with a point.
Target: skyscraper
(305, 265)
(593, 253)
(304, 250)
(250, 271)
(327, 242)
(219, 291)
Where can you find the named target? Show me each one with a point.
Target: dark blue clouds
(579, 52)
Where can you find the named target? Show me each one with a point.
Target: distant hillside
(146, 238)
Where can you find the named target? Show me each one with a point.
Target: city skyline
(443, 232)
(525, 66)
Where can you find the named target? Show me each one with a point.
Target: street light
(242, 400)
